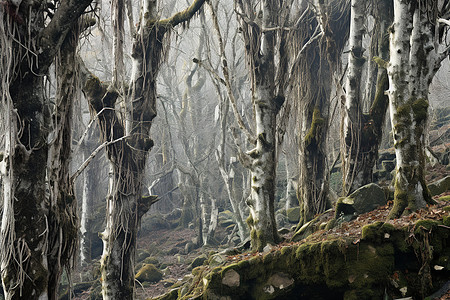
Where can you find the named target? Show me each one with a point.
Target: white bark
(352, 110)
(413, 62)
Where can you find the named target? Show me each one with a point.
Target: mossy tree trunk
(414, 59)
(128, 144)
(260, 49)
(320, 59)
(361, 132)
(36, 236)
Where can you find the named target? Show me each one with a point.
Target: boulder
(149, 273)
(361, 201)
(293, 214)
(440, 186)
(198, 261)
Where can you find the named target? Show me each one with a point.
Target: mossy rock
(198, 261)
(363, 200)
(141, 255)
(149, 273)
(151, 260)
(440, 186)
(293, 214)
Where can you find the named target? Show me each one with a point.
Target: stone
(198, 261)
(231, 278)
(151, 260)
(149, 273)
(283, 231)
(280, 281)
(293, 214)
(217, 260)
(440, 186)
(363, 200)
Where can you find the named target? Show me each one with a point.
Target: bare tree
(128, 135)
(38, 232)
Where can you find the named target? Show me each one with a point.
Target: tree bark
(263, 229)
(414, 60)
(127, 155)
(352, 109)
(35, 245)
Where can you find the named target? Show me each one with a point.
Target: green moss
(420, 109)
(149, 273)
(312, 138)
(445, 198)
(425, 225)
(331, 224)
(446, 220)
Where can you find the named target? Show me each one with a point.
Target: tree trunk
(352, 109)
(263, 229)
(128, 146)
(315, 70)
(36, 234)
(413, 62)
(87, 206)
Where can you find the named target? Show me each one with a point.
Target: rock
(189, 247)
(151, 260)
(244, 245)
(280, 281)
(361, 201)
(141, 255)
(293, 214)
(198, 261)
(283, 231)
(173, 251)
(440, 186)
(267, 248)
(281, 219)
(231, 278)
(149, 273)
(217, 260)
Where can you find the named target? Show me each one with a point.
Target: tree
(361, 132)
(414, 60)
(38, 232)
(258, 25)
(128, 136)
(320, 42)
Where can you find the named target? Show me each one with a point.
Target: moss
(401, 201)
(331, 224)
(377, 231)
(420, 109)
(445, 198)
(446, 220)
(149, 273)
(312, 137)
(425, 225)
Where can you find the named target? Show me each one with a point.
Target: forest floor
(180, 262)
(168, 245)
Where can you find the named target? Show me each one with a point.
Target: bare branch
(92, 156)
(227, 81)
